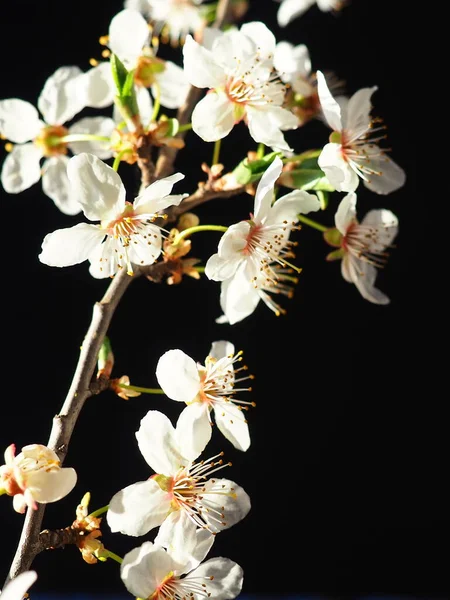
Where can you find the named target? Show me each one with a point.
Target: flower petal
(232, 424)
(156, 196)
(364, 275)
(19, 120)
(98, 187)
(96, 87)
(386, 224)
(233, 501)
(158, 443)
(291, 62)
(50, 486)
(221, 349)
(261, 36)
(56, 185)
(213, 117)
(194, 429)
(138, 508)
(238, 297)
(144, 569)
(290, 205)
(200, 66)
(59, 101)
(145, 250)
(265, 125)
(102, 126)
(17, 588)
(223, 578)
(264, 191)
(291, 9)
(388, 176)
(356, 118)
(346, 213)
(330, 108)
(338, 171)
(173, 85)
(177, 374)
(21, 168)
(128, 33)
(71, 246)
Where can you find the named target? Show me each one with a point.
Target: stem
(84, 137)
(114, 556)
(261, 150)
(118, 158)
(216, 153)
(99, 511)
(311, 223)
(200, 269)
(185, 127)
(186, 232)
(143, 390)
(157, 104)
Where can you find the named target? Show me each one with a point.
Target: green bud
(333, 237)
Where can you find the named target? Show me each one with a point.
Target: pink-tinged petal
(331, 109)
(194, 429)
(223, 578)
(346, 213)
(128, 33)
(291, 9)
(177, 374)
(17, 588)
(261, 36)
(50, 486)
(59, 101)
(388, 176)
(357, 114)
(265, 126)
(264, 191)
(238, 297)
(138, 508)
(19, 120)
(232, 423)
(102, 126)
(158, 443)
(71, 246)
(21, 168)
(200, 66)
(386, 224)
(221, 349)
(232, 500)
(173, 85)
(156, 196)
(96, 87)
(213, 117)
(56, 185)
(144, 569)
(338, 171)
(98, 187)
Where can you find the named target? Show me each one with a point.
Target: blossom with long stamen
(362, 246)
(174, 572)
(291, 9)
(17, 588)
(252, 248)
(237, 67)
(353, 152)
(205, 389)
(127, 233)
(35, 139)
(35, 476)
(179, 485)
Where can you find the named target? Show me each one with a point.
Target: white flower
(174, 19)
(291, 9)
(255, 249)
(126, 233)
(34, 476)
(352, 153)
(206, 388)
(36, 139)
(152, 572)
(238, 70)
(179, 486)
(362, 246)
(129, 39)
(18, 587)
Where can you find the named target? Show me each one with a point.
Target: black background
(347, 466)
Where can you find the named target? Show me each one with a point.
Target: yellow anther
(103, 40)
(106, 53)
(9, 146)
(93, 62)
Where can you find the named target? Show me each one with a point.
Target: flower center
(146, 69)
(175, 588)
(49, 140)
(363, 242)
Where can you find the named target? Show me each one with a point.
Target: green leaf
(119, 73)
(250, 171)
(306, 179)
